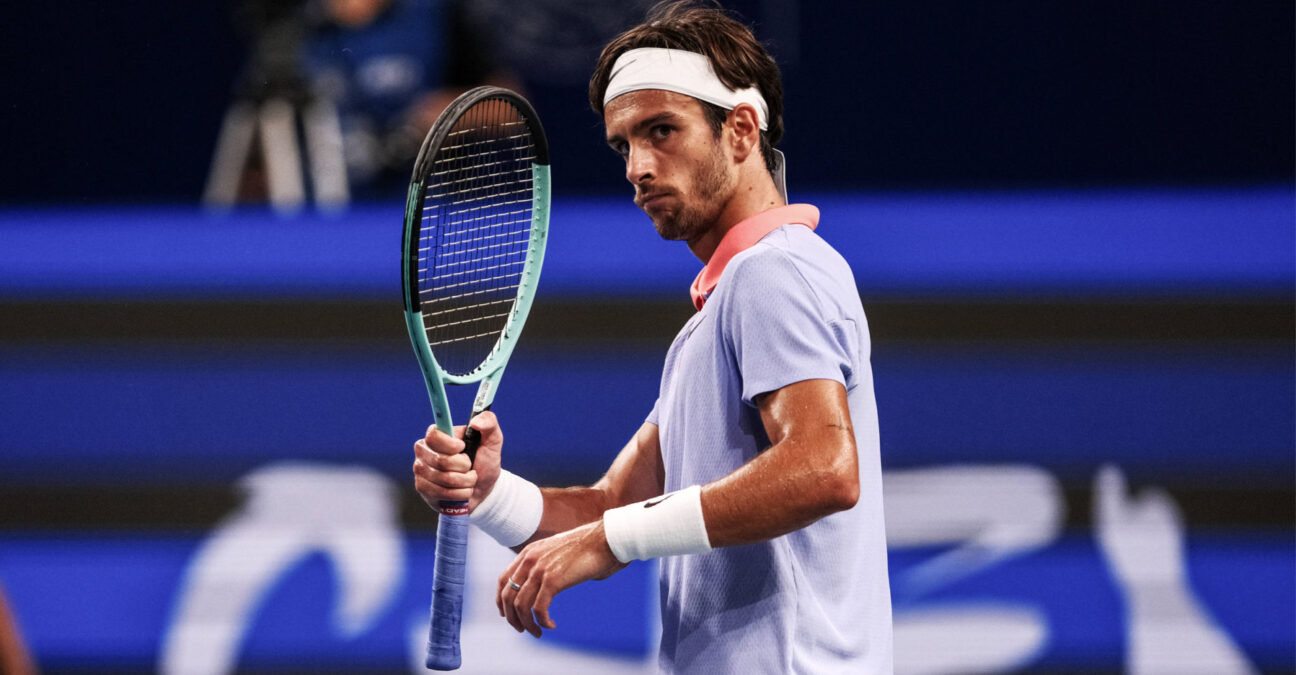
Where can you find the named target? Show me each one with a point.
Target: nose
(639, 165)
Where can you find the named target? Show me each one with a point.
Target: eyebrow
(664, 116)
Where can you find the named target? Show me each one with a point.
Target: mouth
(650, 200)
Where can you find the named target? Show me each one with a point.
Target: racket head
(476, 225)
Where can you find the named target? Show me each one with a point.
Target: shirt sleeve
(777, 329)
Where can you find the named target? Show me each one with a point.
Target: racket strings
(498, 204)
(450, 170)
(491, 239)
(451, 272)
(450, 310)
(476, 231)
(509, 178)
(476, 281)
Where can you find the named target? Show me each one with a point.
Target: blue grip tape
(448, 587)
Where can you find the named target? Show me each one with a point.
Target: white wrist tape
(667, 525)
(511, 512)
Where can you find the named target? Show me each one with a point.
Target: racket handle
(472, 437)
(448, 575)
(448, 586)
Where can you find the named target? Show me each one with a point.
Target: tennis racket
(476, 222)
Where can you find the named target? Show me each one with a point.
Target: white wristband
(667, 525)
(511, 512)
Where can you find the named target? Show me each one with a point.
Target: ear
(745, 127)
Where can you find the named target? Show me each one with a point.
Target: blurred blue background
(1073, 226)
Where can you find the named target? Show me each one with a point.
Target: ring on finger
(514, 585)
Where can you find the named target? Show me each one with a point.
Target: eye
(661, 131)
(621, 148)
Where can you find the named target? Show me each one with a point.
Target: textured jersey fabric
(815, 600)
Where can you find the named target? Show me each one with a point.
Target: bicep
(810, 470)
(810, 408)
(809, 424)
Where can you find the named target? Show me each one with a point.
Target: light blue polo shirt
(816, 600)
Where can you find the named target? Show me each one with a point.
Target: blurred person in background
(391, 67)
(364, 79)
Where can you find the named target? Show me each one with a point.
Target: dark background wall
(122, 101)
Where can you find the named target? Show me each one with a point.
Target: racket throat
(485, 394)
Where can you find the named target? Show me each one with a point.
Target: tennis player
(755, 478)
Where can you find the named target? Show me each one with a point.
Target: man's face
(682, 176)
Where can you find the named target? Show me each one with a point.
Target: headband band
(682, 72)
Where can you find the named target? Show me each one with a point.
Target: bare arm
(810, 470)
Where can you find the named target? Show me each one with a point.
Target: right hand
(443, 473)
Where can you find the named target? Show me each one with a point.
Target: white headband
(682, 72)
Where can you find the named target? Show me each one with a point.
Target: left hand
(548, 566)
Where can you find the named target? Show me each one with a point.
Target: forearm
(566, 509)
(787, 487)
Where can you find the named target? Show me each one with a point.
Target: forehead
(622, 113)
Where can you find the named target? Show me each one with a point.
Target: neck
(754, 193)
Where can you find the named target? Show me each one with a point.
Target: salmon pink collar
(743, 236)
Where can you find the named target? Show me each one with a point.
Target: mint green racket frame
(492, 369)
(452, 525)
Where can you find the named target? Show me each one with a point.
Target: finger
(506, 592)
(516, 581)
(443, 443)
(444, 471)
(541, 606)
(510, 611)
(484, 421)
(487, 425)
(441, 461)
(452, 480)
(435, 428)
(524, 602)
(430, 490)
(500, 585)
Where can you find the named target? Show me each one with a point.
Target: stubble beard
(711, 187)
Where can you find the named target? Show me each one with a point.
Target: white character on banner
(292, 511)
(991, 514)
(1142, 538)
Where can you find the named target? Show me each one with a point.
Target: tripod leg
(324, 146)
(233, 145)
(282, 155)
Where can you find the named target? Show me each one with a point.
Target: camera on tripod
(275, 111)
